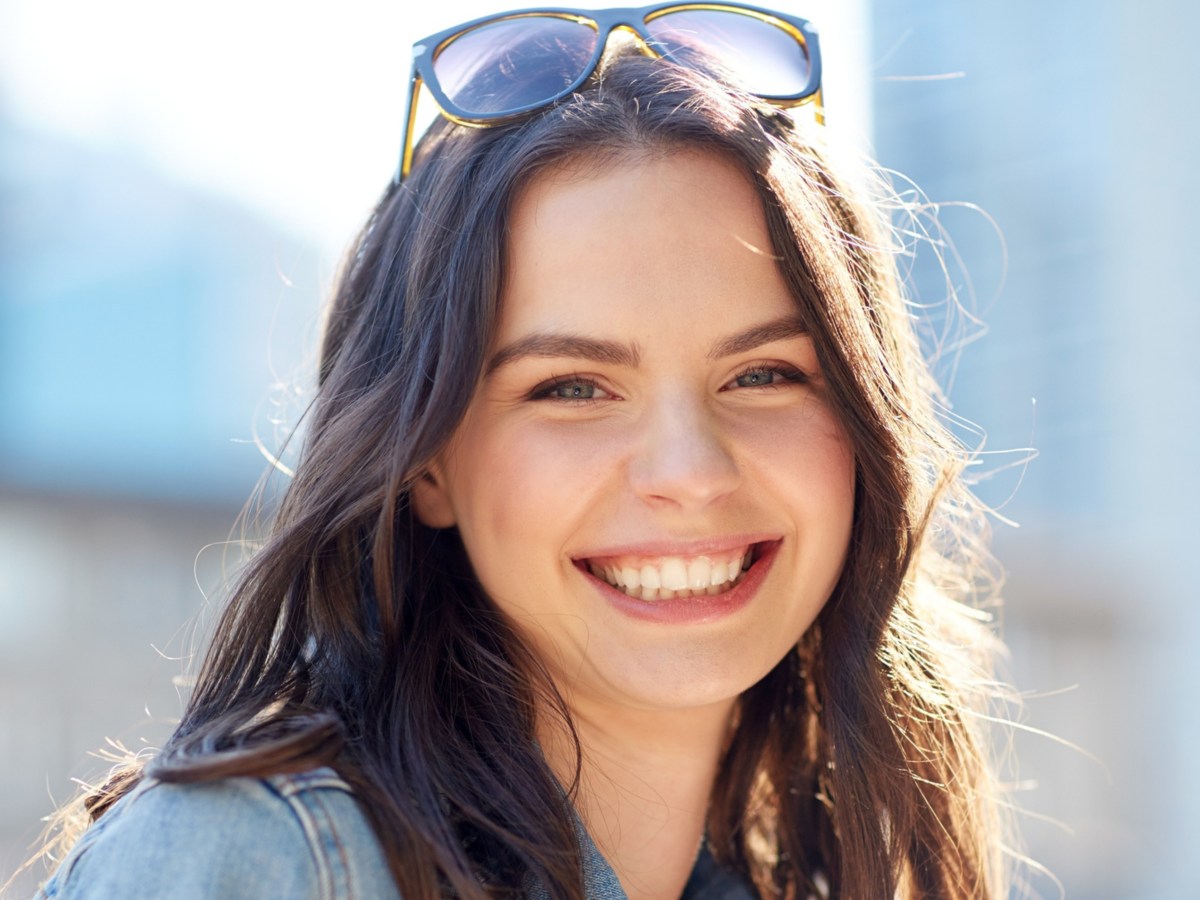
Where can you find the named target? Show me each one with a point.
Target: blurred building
(150, 335)
(1074, 127)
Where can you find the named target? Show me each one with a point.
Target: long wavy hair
(359, 638)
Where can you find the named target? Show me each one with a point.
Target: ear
(431, 499)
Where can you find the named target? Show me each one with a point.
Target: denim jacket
(287, 836)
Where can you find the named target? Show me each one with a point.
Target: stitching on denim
(325, 777)
(302, 793)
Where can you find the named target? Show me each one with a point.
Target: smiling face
(649, 479)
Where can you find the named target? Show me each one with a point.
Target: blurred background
(176, 188)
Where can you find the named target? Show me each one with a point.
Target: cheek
(805, 453)
(829, 483)
(806, 464)
(511, 485)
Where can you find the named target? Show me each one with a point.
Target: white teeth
(651, 580)
(720, 574)
(675, 576)
(698, 573)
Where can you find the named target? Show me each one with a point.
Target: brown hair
(359, 638)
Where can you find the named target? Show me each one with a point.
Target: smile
(671, 577)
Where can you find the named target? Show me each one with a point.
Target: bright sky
(291, 108)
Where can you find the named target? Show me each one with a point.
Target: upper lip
(677, 547)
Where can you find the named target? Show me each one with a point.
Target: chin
(688, 677)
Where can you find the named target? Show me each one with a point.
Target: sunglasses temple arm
(410, 118)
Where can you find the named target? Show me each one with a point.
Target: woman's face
(649, 480)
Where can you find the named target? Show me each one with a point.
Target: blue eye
(574, 389)
(756, 378)
(769, 376)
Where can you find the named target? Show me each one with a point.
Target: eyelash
(547, 389)
(786, 374)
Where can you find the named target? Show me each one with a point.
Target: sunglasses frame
(605, 22)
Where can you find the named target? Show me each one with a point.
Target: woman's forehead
(659, 230)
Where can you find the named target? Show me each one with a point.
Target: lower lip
(687, 610)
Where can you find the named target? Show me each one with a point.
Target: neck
(644, 788)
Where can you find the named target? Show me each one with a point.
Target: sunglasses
(499, 68)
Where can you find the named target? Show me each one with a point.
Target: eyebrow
(541, 345)
(554, 345)
(777, 330)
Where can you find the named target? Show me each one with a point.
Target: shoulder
(288, 836)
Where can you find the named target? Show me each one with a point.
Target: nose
(683, 457)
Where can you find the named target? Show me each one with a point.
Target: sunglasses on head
(496, 69)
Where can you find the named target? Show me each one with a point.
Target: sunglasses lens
(506, 66)
(764, 58)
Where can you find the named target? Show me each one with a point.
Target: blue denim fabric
(294, 836)
(289, 836)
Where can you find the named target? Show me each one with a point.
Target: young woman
(626, 554)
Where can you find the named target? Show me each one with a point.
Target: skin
(683, 425)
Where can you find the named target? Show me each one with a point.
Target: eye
(767, 375)
(572, 389)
